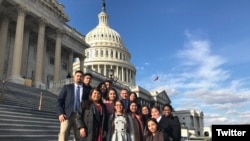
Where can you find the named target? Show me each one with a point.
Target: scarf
(157, 137)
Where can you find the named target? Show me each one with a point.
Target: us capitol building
(38, 49)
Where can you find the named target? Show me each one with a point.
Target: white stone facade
(191, 120)
(35, 42)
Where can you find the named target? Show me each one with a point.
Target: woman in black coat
(154, 132)
(91, 118)
(176, 128)
(164, 123)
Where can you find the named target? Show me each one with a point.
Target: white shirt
(81, 90)
(158, 119)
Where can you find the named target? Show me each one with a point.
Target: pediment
(162, 96)
(56, 7)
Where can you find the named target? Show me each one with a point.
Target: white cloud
(200, 82)
(230, 117)
(139, 68)
(245, 115)
(201, 64)
(215, 119)
(217, 96)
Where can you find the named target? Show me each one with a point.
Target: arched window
(107, 53)
(116, 55)
(96, 53)
(111, 54)
(101, 53)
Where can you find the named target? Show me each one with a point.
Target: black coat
(165, 125)
(171, 126)
(88, 117)
(176, 128)
(86, 91)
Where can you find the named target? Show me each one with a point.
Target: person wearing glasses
(120, 125)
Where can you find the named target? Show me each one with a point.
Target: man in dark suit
(87, 77)
(68, 103)
(124, 98)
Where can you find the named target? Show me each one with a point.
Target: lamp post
(111, 76)
(2, 94)
(183, 125)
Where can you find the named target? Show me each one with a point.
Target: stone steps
(22, 123)
(23, 96)
(20, 119)
(28, 138)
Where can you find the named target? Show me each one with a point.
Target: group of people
(100, 114)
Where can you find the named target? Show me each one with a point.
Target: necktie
(77, 98)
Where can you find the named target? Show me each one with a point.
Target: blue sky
(199, 49)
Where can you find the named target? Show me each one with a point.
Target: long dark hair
(89, 101)
(149, 109)
(144, 118)
(130, 103)
(112, 89)
(157, 108)
(123, 113)
(169, 106)
(157, 124)
(99, 87)
(136, 97)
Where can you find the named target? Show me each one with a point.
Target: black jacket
(86, 91)
(89, 118)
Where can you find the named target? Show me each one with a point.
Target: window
(51, 60)
(64, 66)
(111, 54)
(101, 53)
(96, 53)
(107, 53)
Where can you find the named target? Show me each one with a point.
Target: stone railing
(60, 83)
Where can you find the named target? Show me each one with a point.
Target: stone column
(129, 78)
(82, 57)
(127, 74)
(18, 48)
(105, 70)
(40, 54)
(25, 54)
(122, 73)
(70, 67)
(99, 68)
(57, 66)
(117, 72)
(3, 43)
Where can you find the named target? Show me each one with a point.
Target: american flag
(156, 78)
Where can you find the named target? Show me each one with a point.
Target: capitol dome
(102, 34)
(107, 53)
